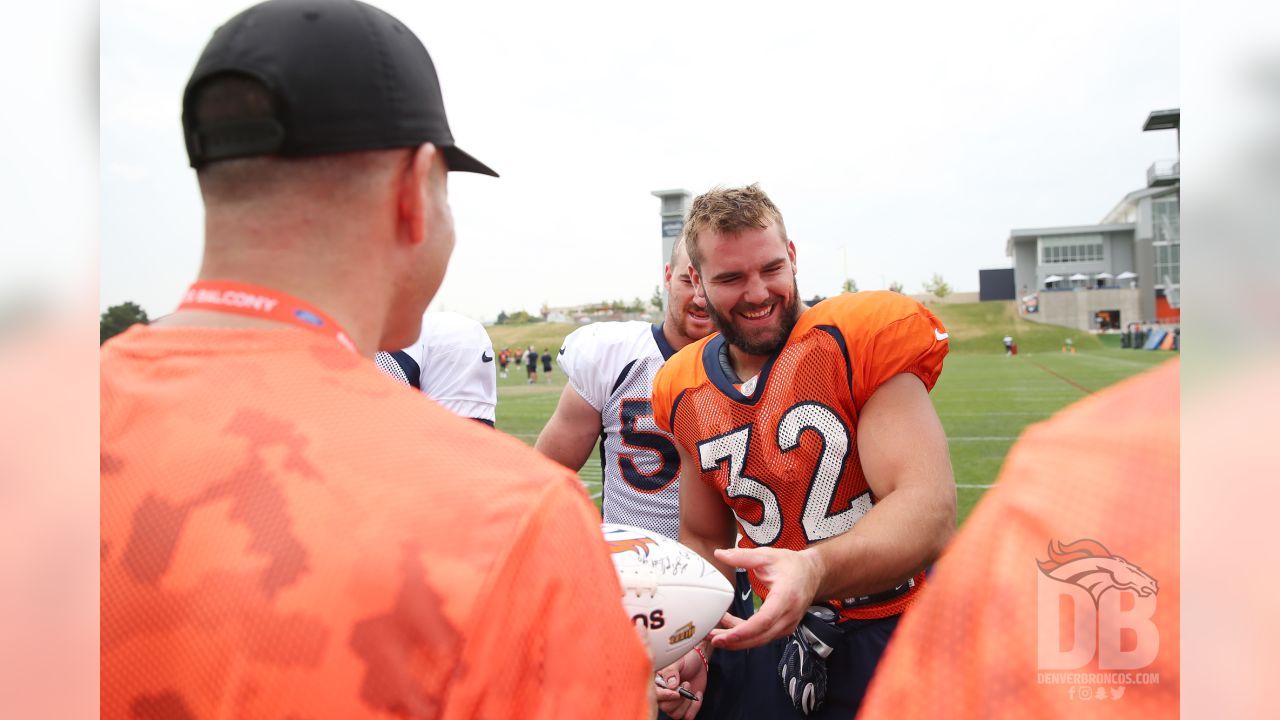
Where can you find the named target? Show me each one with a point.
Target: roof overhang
(1121, 208)
(1162, 120)
(1023, 234)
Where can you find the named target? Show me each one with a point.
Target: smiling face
(687, 318)
(749, 282)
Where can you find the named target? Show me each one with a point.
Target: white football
(673, 596)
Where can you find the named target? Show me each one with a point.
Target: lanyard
(254, 301)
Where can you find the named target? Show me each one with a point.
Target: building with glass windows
(1125, 269)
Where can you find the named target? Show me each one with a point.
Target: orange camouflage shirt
(1059, 598)
(288, 533)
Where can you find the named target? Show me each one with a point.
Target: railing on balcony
(1162, 172)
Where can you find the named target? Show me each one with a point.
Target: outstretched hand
(792, 579)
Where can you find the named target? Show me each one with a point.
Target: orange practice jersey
(782, 449)
(289, 533)
(1059, 598)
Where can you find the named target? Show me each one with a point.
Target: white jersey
(452, 363)
(611, 365)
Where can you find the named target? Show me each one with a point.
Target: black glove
(803, 673)
(803, 668)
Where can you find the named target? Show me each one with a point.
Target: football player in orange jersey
(810, 432)
(286, 532)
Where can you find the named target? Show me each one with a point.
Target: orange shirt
(781, 449)
(1059, 597)
(287, 533)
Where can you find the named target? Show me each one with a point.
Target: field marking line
(981, 438)
(1063, 378)
(1121, 361)
(973, 487)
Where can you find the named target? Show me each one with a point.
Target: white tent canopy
(1053, 278)
(1079, 276)
(1126, 275)
(1104, 275)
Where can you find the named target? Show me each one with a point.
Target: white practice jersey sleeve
(452, 363)
(611, 365)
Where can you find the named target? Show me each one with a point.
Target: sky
(899, 140)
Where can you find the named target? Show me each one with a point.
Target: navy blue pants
(849, 671)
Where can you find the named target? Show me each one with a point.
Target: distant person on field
(546, 363)
(504, 359)
(1008, 344)
(285, 532)
(531, 364)
(451, 363)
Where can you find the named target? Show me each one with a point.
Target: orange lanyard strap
(254, 301)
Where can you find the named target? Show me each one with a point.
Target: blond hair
(729, 211)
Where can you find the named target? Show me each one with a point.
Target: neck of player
(670, 330)
(745, 365)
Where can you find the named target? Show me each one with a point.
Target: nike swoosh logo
(561, 351)
(485, 356)
(746, 594)
(939, 336)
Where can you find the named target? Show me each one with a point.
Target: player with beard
(610, 366)
(808, 434)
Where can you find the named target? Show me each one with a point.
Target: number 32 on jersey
(816, 520)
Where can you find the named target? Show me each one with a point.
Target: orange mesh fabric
(1100, 479)
(800, 433)
(286, 532)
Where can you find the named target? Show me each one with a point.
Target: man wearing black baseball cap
(338, 76)
(286, 531)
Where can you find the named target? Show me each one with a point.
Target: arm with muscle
(905, 458)
(570, 435)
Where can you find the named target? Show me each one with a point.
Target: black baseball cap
(342, 75)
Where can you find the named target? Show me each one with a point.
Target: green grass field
(984, 398)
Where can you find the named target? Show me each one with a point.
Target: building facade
(1125, 269)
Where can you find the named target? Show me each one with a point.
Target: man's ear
(696, 279)
(791, 252)
(415, 183)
